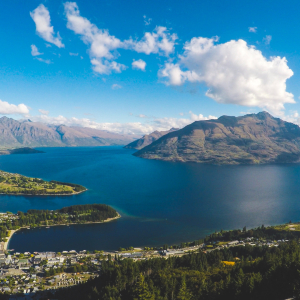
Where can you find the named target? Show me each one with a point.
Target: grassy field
(286, 227)
(12, 183)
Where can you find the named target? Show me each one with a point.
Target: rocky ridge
(18, 134)
(148, 139)
(250, 139)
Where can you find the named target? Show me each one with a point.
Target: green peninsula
(16, 184)
(76, 214)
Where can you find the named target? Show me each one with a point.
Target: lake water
(160, 202)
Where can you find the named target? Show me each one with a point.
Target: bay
(160, 202)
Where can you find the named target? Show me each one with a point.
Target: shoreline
(21, 194)
(4, 245)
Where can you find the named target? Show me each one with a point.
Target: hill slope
(253, 138)
(148, 139)
(16, 134)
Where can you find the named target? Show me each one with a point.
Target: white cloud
(41, 18)
(159, 41)
(167, 123)
(267, 39)
(73, 54)
(44, 112)
(136, 128)
(35, 51)
(106, 67)
(234, 73)
(142, 116)
(9, 109)
(139, 64)
(46, 61)
(147, 20)
(116, 86)
(252, 29)
(102, 44)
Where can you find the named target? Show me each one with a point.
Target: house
(233, 243)
(172, 252)
(23, 262)
(37, 260)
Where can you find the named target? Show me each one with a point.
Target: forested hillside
(248, 273)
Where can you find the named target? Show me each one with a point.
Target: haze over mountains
(16, 134)
(252, 139)
(148, 139)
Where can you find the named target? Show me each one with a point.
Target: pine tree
(141, 290)
(184, 293)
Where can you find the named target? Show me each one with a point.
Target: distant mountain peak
(25, 133)
(147, 139)
(230, 140)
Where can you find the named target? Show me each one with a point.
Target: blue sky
(137, 66)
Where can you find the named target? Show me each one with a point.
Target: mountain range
(148, 139)
(250, 139)
(18, 134)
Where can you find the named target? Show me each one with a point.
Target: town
(33, 273)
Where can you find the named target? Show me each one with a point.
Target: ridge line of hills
(19, 134)
(250, 139)
(148, 139)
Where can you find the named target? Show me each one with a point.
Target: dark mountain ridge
(251, 139)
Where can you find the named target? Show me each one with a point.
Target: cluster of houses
(249, 241)
(26, 272)
(8, 216)
(62, 280)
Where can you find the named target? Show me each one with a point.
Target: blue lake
(160, 202)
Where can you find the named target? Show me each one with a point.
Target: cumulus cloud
(167, 123)
(35, 51)
(105, 67)
(102, 44)
(10, 109)
(252, 29)
(116, 86)
(267, 39)
(136, 128)
(159, 41)
(234, 73)
(73, 54)
(139, 64)
(44, 112)
(41, 18)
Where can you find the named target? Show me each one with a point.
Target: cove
(160, 202)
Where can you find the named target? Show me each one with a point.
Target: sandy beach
(5, 244)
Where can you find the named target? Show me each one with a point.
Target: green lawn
(12, 183)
